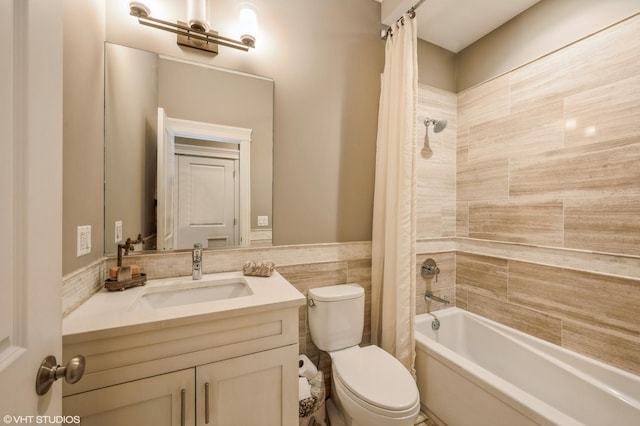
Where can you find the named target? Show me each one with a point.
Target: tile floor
(423, 420)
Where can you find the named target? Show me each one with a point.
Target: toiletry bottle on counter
(197, 261)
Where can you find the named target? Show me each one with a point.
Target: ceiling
(455, 24)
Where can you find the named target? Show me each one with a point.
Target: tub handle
(429, 269)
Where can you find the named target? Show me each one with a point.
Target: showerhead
(438, 125)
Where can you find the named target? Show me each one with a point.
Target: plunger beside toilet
(370, 387)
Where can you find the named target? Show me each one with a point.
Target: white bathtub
(474, 371)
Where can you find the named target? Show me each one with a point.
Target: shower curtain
(393, 270)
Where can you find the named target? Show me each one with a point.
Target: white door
(30, 203)
(207, 202)
(164, 183)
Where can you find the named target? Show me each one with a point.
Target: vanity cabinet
(154, 401)
(247, 390)
(230, 371)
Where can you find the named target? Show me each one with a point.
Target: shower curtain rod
(412, 14)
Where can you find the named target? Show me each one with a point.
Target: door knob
(50, 371)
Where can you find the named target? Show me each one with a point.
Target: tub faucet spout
(429, 296)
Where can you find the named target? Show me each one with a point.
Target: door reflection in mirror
(200, 203)
(136, 84)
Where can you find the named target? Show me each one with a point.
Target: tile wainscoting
(592, 311)
(81, 284)
(582, 300)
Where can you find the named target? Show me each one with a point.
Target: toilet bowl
(373, 388)
(370, 387)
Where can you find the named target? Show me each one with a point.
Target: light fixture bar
(182, 30)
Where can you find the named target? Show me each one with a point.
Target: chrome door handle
(50, 371)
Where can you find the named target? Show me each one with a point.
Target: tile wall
(548, 197)
(436, 192)
(548, 153)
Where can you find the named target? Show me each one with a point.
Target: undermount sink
(180, 294)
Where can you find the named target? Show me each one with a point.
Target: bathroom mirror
(137, 85)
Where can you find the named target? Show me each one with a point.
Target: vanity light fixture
(195, 33)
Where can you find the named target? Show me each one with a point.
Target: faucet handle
(429, 269)
(197, 252)
(196, 264)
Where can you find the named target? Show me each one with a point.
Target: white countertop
(108, 311)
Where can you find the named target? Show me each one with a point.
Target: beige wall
(325, 57)
(130, 143)
(83, 121)
(436, 66)
(547, 26)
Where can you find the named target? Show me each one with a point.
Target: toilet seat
(376, 381)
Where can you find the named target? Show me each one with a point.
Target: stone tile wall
(548, 154)
(548, 190)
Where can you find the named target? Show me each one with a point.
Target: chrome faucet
(196, 261)
(429, 296)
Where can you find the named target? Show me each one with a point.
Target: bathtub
(473, 371)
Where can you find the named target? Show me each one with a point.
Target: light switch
(118, 231)
(84, 240)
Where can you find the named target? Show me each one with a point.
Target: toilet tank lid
(334, 293)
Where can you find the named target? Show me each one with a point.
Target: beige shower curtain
(394, 210)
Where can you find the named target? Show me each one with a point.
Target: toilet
(370, 387)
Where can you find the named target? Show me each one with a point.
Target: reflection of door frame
(206, 152)
(235, 135)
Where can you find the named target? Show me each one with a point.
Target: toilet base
(333, 413)
(337, 416)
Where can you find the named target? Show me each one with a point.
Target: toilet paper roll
(304, 389)
(306, 368)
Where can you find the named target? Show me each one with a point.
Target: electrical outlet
(263, 220)
(84, 240)
(118, 231)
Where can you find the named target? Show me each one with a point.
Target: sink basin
(194, 292)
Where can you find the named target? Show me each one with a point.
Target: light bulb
(197, 14)
(248, 26)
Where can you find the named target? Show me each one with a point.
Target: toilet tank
(336, 316)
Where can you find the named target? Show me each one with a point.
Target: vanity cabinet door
(159, 400)
(257, 389)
